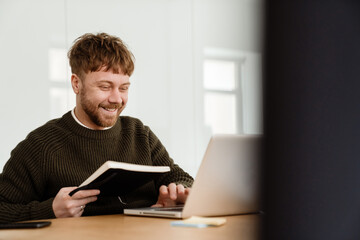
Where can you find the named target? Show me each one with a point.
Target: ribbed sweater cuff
(43, 210)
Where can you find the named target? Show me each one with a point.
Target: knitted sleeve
(22, 184)
(159, 157)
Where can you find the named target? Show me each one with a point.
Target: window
(61, 95)
(222, 96)
(232, 92)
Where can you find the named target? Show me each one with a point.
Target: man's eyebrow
(110, 82)
(104, 81)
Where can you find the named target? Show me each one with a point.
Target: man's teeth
(110, 109)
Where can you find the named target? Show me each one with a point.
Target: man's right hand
(66, 206)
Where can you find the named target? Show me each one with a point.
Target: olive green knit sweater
(62, 153)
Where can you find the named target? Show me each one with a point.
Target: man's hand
(66, 206)
(172, 195)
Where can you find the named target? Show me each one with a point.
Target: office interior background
(197, 70)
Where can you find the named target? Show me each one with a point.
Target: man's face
(100, 97)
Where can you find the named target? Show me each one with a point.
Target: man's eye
(104, 87)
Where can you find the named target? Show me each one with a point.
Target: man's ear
(75, 82)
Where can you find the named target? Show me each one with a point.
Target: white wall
(168, 39)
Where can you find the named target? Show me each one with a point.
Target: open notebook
(227, 181)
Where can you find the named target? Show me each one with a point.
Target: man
(53, 159)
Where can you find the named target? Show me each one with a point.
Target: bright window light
(220, 100)
(219, 75)
(58, 65)
(220, 112)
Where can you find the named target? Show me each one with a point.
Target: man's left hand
(172, 195)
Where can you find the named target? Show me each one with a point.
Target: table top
(132, 227)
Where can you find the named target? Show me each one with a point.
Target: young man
(53, 159)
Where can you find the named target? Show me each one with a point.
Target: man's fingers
(158, 205)
(86, 193)
(163, 190)
(66, 206)
(78, 211)
(171, 195)
(84, 201)
(75, 208)
(172, 191)
(180, 189)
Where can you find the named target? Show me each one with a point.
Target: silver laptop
(227, 182)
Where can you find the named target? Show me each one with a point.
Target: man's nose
(115, 96)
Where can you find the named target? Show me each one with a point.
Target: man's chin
(106, 121)
(109, 122)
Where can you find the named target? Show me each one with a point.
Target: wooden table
(130, 227)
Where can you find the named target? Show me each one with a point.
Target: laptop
(227, 182)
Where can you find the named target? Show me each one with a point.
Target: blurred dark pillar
(312, 120)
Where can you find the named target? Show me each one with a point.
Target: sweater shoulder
(38, 144)
(51, 129)
(49, 135)
(133, 125)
